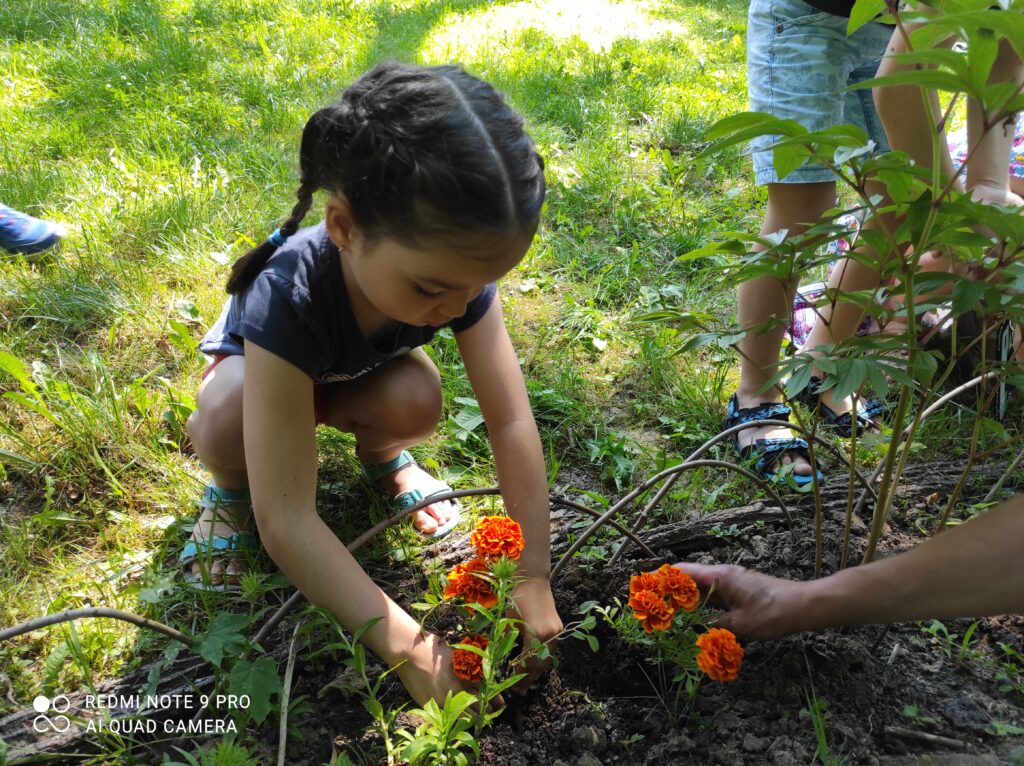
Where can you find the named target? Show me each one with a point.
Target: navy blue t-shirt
(298, 308)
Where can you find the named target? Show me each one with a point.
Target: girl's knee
(215, 427)
(415, 404)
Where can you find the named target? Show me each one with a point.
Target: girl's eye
(426, 293)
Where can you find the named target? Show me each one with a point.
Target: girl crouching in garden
(434, 193)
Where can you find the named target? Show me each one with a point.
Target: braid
(245, 269)
(417, 153)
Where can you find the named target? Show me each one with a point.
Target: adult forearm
(972, 570)
(522, 476)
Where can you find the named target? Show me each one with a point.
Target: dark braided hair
(419, 153)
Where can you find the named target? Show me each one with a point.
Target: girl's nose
(454, 304)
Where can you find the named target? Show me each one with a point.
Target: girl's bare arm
(280, 450)
(493, 369)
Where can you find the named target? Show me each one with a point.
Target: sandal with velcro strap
(766, 454)
(216, 547)
(372, 472)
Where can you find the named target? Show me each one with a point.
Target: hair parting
(418, 153)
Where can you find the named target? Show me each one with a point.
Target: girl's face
(427, 285)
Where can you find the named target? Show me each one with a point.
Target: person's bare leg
(215, 428)
(988, 177)
(902, 111)
(792, 207)
(837, 324)
(394, 407)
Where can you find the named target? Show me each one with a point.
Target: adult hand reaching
(756, 605)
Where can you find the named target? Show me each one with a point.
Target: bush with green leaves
(921, 212)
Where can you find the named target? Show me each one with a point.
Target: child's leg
(215, 429)
(902, 112)
(790, 206)
(841, 322)
(395, 406)
(988, 177)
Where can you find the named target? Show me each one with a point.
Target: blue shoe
(767, 453)
(209, 549)
(21, 233)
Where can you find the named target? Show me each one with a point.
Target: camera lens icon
(58, 723)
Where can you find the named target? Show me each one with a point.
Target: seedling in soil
(816, 711)
(912, 712)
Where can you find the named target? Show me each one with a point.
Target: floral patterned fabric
(957, 141)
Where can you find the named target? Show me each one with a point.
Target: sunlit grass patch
(598, 23)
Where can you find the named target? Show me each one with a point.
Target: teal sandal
(373, 472)
(218, 546)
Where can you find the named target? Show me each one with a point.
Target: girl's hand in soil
(756, 605)
(536, 607)
(428, 673)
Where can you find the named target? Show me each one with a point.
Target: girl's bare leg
(215, 429)
(841, 322)
(393, 407)
(988, 177)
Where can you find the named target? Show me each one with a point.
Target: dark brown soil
(897, 697)
(604, 708)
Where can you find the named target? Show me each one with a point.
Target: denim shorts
(799, 63)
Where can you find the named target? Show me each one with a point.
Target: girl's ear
(341, 225)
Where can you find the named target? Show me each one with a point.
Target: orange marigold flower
(651, 610)
(643, 581)
(497, 536)
(680, 589)
(467, 665)
(464, 584)
(720, 655)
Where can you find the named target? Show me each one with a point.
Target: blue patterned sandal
(216, 547)
(768, 452)
(373, 472)
(841, 423)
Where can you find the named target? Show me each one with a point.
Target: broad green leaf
(734, 123)
(259, 680)
(17, 369)
(787, 158)
(966, 294)
(922, 78)
(1006, 24)
(798, 380)
(725, 132)
(224, 635)
(982, 49)
(862, 12)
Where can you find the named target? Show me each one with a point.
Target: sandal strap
(872, 409)
(769, 451)
(413, 496)
(215, 497)
(375, 471)
(236, 541)
(764, 411)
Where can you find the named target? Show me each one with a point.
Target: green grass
(165, 135)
